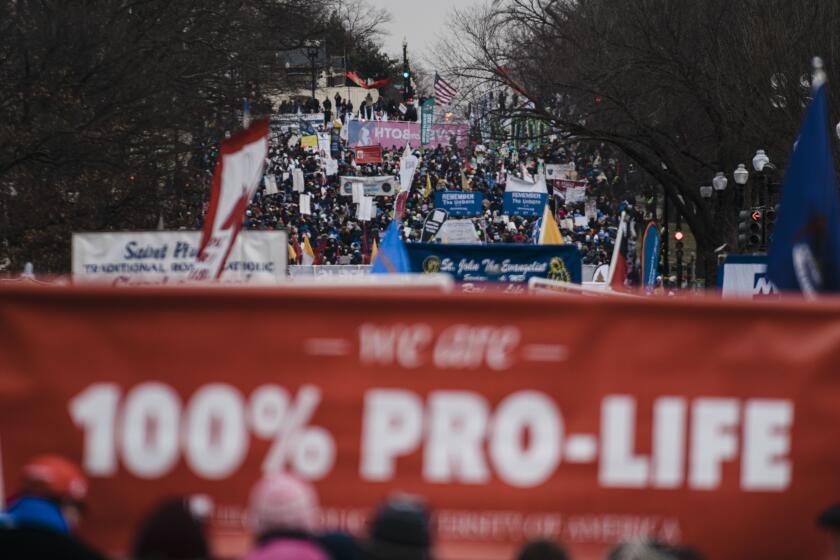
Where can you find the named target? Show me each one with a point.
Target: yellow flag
(374, 251)
(308, 253)
(292, 253)
(549, 232)
(428, 192)
(465, 184)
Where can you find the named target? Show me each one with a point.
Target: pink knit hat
(282, 502)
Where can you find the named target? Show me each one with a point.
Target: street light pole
(313, 49)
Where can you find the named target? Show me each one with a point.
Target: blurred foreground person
(40, 521)
(542, 549)
(400, 530)
(340, 546)
(830, 521)
(174, 530)
(651, 551)
(283, 515)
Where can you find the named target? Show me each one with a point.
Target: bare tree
(109, 109)
(686, 89)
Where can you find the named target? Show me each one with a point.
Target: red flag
(366, 84)
(368, 154)
(239, 171)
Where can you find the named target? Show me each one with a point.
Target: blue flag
(651, 245)
(804, 254)
(392, 257)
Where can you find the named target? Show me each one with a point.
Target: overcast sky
(418, 21)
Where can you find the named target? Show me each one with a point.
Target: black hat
(830, 518)
(400, 530)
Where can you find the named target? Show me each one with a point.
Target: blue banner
(651, 245)
(459, 203)
(497, 262)
(525, 203)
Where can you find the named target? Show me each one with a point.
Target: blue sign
(459, 203)
(525, 203)
(497, 262)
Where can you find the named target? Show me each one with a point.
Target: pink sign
(392, 134)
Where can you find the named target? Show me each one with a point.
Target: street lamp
(760, 160)
(720, 181)
(838, 130)
(313, 49)
(741, 175)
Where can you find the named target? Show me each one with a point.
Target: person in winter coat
(40, 521)
(283, 514)
(174, 530)
(400, 530)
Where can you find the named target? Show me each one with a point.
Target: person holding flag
(804, 254)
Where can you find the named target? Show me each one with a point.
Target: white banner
(556, 171)
(385, 185)
(305, 207)
(297, 180)
(271, 184)
(284, 122)
(515, 184)
(746, 277)
(365, 213)
(458, 232)
(167, 257)
(575, 195)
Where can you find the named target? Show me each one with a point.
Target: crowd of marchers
(338, 236)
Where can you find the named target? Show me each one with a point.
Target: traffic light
(678, 245)
(406, 74)
(749, 228)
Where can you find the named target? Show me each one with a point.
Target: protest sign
(459, 203)
(525, 198)
(431, 225)
(510, 426)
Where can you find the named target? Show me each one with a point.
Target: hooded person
(400, 530)
(283, 516)
(40, 521)
(174, 530)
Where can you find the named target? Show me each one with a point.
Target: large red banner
(705, 423)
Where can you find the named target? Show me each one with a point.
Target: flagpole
(619, 237)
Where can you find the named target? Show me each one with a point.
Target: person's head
(542, 549)
(400, 530)
(173, 530)
(57, 480)
(282, 503)
(830, 521)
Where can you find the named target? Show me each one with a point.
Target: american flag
(444, 92)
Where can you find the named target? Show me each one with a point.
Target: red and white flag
(618, 263)
(239, 171)
(399, 205)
